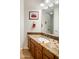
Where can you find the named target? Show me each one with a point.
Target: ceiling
(35, 4)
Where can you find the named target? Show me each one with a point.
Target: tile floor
(25, 54)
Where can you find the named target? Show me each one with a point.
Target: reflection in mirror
(50, 19)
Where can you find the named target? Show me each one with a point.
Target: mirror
(50, 19)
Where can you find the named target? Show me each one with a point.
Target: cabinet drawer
(39, 47)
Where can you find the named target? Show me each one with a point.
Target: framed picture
(33, 15)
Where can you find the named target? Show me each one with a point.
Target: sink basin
(42, 40)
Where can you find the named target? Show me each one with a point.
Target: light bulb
(46, 1)
(56, 2)
(42, 4)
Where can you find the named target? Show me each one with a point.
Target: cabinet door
(48, 54)
(38, 53)
(56, 57)
(35, 53)
(29, 43)
(32, 49)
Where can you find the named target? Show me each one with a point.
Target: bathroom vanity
(43, 46)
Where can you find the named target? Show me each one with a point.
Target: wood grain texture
(48, 54)
(25, 54)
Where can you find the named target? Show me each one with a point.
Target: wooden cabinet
(45, 57)
(32, 48)
(35, 48)
(56, 57)
(29, 40)
(39, 52)
(47, 54)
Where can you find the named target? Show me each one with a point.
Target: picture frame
(33, 15)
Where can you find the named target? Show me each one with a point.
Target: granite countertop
(52, 45)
